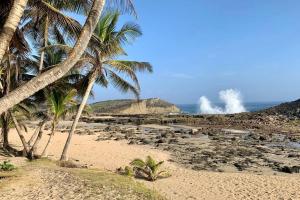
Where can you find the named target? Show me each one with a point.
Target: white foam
(232, 99)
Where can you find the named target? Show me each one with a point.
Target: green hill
(130, 106)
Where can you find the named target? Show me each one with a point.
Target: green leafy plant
(148, 169)
(7, 166)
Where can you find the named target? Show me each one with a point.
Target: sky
(200, 47)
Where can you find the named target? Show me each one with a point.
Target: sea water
(251, 107)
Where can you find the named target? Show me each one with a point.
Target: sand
(184, 183)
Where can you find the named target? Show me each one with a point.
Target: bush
(148, 169)
(7, 166)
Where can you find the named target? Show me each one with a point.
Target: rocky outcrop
(146, 106)
(289, 109)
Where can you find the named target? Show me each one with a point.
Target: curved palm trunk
(11, 25)
(79, 112)
(19, 131)
(45, 152)
(52, 75)
(45, 44)
(33, 150)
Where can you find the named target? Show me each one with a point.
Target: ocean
(251, 107)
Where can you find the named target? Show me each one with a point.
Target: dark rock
(131, 142)
(290, 170)
(262, 138)
(145, 141)
(173, 141)
(185, 136)
(240, 166)
(293, 155)
(161, 141)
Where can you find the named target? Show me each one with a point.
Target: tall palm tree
(59, 104)
(57, 72)
(11, 67)
(106, 45)
(45, 20)
(12, 20)
(43, 80)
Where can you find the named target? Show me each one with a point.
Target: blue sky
(199, 47)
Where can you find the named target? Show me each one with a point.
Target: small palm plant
(59, 103)
(6, 166)
(148, 169)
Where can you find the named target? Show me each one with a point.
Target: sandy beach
(184, 183)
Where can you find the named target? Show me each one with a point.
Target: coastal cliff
(288, 109)
(128, 106)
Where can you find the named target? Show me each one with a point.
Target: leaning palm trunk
(45, 152)
(52, 75)
(79, 112)
(19, 131)
(36, 131)
(33, 150)
(45, 44)
(11, 25)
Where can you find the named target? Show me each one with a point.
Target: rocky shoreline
(224, 143)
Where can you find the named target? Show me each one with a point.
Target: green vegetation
(112, 106)
(122, 183)
(106, 181)
(59, 103)
(148, 169)
(102, 53)
(56, 61)
(7, 166)
(49, 62)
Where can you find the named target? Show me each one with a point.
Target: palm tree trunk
(5, 117)
(36, 131)
(5, 129)
(45, 44)
(19, 131)
(33, 150)
(45, 152)
(11, 25)
(52, 75)
(79, 112)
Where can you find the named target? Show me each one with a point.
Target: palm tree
(11, 23)
(104, 47)
(19, 131)
(57, 72)
(44, 19)
(12, 66)
(147, 169)
(44, 79)
(59, 104)
(33, 150)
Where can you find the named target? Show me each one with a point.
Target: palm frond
(122, 84)
(138, 163)
(123, 6)
(133, 65)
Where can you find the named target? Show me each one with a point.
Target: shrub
(148, 169)
(6, 166)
